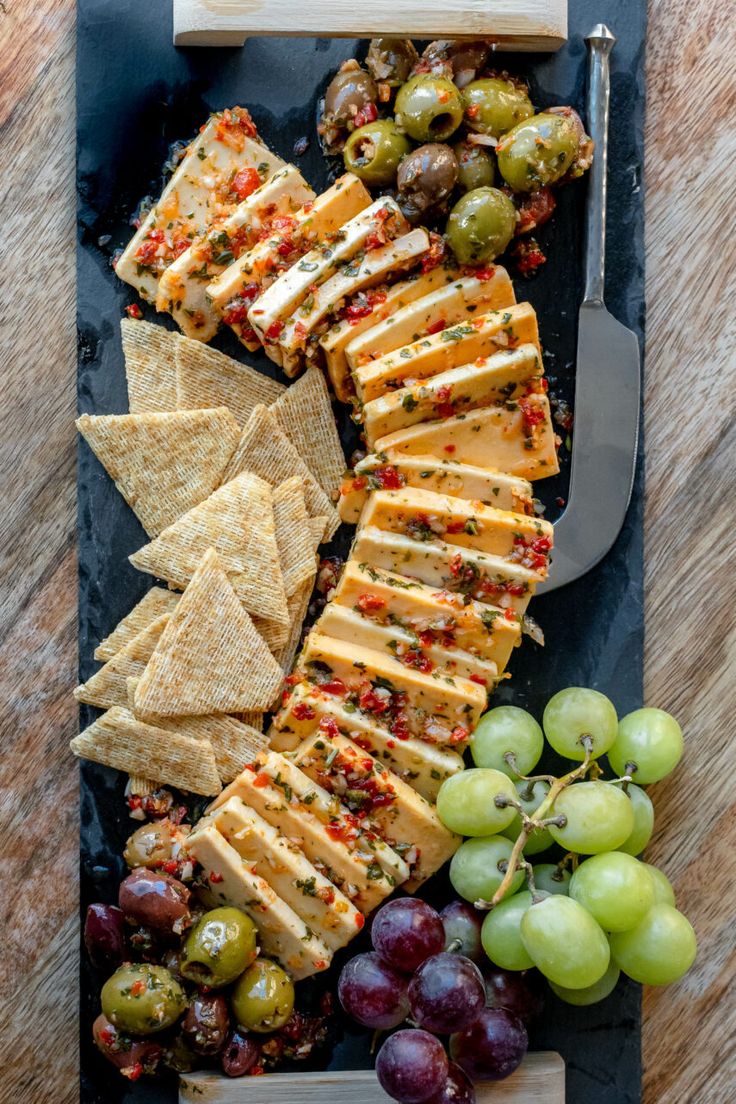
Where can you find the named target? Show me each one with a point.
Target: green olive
(221, 945)
(153, 843)
(263, 998)
(375, 151)
(481, 225)
(538, 152)
(429, 109)
(476, 167)
(495, 105)
(142, 999)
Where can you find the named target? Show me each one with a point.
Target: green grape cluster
(599, 910)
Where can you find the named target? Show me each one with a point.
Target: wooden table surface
(690, 590)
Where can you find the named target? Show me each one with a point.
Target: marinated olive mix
(219, 947)
(429, 109)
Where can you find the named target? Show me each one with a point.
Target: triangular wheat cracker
(150, 368)
(298, 606)
(163, 464)
(156, 601)
(237, 521)
(319, 528)
(107, 687)
(293, 534)
(207, 378)
(210, 658)
(118, 739)
(304, 412)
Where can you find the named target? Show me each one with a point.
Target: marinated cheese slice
(206, 186)
(380, 799)
(452, 347)
(282, 935)
(519, 440)
(422, 766)
(182, 290)
(380, 471)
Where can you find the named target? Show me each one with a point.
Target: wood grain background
(691, 585)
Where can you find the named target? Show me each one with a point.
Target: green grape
(565, 943)
(501, 934)
(549, 878)
(540, 839)
(652, 740)
(475, 870)
(664, 894)
(599, 818)
(643, 820)
(593, 993)
(659, 950)
(615, 888)
(507, 730)
(466, 803)
(577, 712)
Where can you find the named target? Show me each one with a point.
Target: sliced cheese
(441, 709)
(198, 193)
(506, 378)
(426, 516)
(422, 766)
(505, 492)
(282, 935)
(459, 302)
(491, 437)
(380, 799)
(281, 863)
(367, 312)
(460, 344)
(462, 570)
(361, 272)
(442, 618)
(281, 299)
(232, 293)
(364, 868)
(182, 289)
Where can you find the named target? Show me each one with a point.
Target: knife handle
(600, 43)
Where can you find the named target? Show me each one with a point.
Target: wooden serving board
(539, 1080)
(515, 24)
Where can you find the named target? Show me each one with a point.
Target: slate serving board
(137, 95)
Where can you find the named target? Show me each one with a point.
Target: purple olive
(104, 936)
(131, 1056)
(240, 1054)
(205, 1025)
(156, 901)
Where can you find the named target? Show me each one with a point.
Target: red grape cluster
(423, 969)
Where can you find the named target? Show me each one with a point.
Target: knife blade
(607, 374)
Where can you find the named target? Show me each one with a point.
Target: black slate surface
(136, 96)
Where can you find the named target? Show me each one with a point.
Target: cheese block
(323, 907)
(365, 868)
(441, 565)
(233, 293)
(422, 766)
(363, 271)
(456, 345)
(383, 219)
(506, 379)
(380, 799)
(441, 618)
(204, 188)
(379, 471)
(458, 302)
(413, 649)
(519, 441)
(182, 290)
(425, 516)
(282, 935)
(442, 710)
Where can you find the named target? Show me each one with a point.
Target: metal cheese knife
(607, 376)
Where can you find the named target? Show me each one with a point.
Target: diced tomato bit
(359, 483)
(456, 565)
(245, 182)
(388, 478)
(303, 712)
(436, 253)
(107, 1035)
(359, 921)
(416, 659)
(458, 734)
(373, 702)
(445, 410)
(516, 589)
(137, 988)
(367, 602)
(171, 866)
(274, 331)
(335, 686)
(456, 526)
(330, 727)
(532, 413)
(449, 448)
(479, 679)
(510, 615)
(262, 780)
(437, 326)
(133, 311)
(443, 96)
(133, 1072)
(215, 875)
(300, 331)
(367, 114)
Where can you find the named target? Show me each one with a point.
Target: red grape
(372, 992)
(492, 1047)
(406, 931)
(446, 993)
(521, 993)
(412, 1066)
(457, 1089)
(461, 921)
